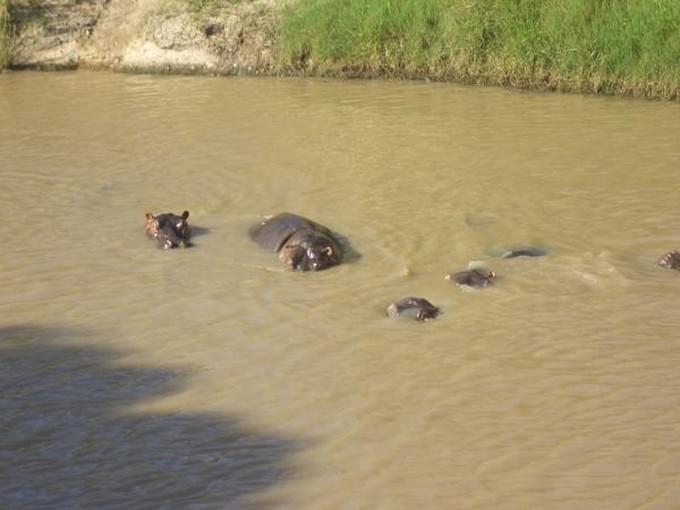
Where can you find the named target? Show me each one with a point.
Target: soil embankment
(144, 35)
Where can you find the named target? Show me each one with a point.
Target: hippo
(302, 244)
(671, 260)
(170, 230)
(416, 308)
(524, 251)
(478, 277)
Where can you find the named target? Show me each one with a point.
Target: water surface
(132, 377)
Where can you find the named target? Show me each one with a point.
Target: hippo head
(671, 260)
(478, 277)
(169, 229)
(416, 308)
(310, 251)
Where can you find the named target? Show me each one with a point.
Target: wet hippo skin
(416, 308)
(302, 244)
(524, 251)
(170, 230)
(478, 277)
(671, 260)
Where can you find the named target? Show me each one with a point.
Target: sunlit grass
(621, 46)
(209, 6)
(5, 34)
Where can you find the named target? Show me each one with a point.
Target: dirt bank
(145, 35)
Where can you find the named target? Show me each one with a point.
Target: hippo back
(524, 251)
(273, 233)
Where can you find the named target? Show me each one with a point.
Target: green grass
(200, 6)
(208, 7)
(611, 46)
(5, 34)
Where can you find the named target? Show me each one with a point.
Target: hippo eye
(179, 225)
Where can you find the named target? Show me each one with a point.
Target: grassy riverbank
(629, 47)
(5, 32)
(610, 46)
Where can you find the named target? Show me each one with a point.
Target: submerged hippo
(302, 244)
(478, 277)
(419, 309)
(524, 251)
(170, 230)
(671, 260)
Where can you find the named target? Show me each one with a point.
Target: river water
(211, 377)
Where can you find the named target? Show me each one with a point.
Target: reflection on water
(557, 387)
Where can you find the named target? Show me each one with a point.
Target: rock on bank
(145, 35)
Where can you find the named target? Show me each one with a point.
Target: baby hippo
(419, 309)
(302, 244)
(478, 277)
(170, 230)
(671, 260)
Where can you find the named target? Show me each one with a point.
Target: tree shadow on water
(66, 440)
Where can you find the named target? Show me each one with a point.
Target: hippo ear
(185, 215)
(328, 251)
(151, 222)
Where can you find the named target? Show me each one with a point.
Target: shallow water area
(212, 377)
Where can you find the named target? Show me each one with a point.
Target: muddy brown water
(132, 377)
